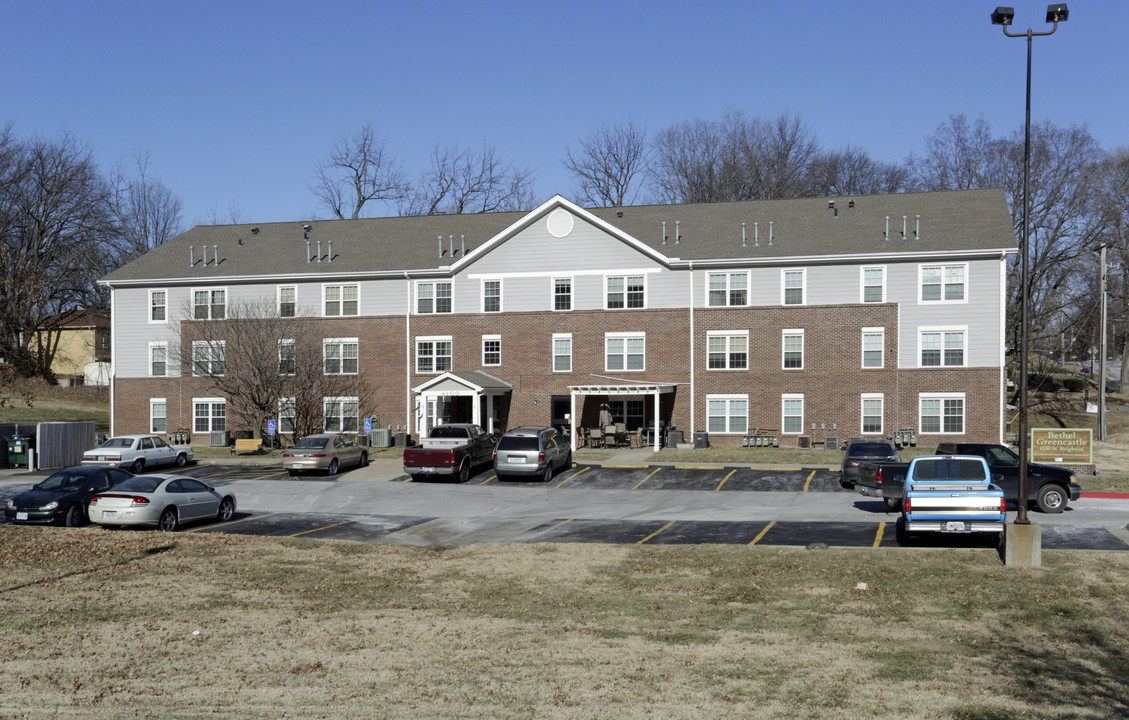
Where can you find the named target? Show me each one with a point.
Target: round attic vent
(559, 223)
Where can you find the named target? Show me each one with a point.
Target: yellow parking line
(325, 527)
(230, 522)
(664, 527)
(699, 467)
(757, 539)
(770, 467)
(723, 481)
(550, 529)
(878, 537)
(629, 467)
(487, 480)
(806, 484)
(433, 527)
(646, 478)
(570, 477)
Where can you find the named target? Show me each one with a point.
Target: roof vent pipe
(205, 248)
(677, 232)
(451, 240)
(319, 250)
(440, 237)
(664, 232)
(770, 232)
(462, 239)
(917, 227)
(191, 256)
(886, 232)
(330, 255)
(215, 254)
(756, 234)
(743, 236)
(307, 252)
(903, 227)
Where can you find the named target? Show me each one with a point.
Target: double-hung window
(287, 415)
(562, 352)
(942, 347)
(158, 416)
(727, 414)
(341, 356)
(341, 300)
(792, 413)
(209, 415)
(287, 357)
(562, 293)
(158, 306)
(491, 349)
(341, 414)
(943, 283)
(158, 359)
(728, 289)
(873, 405)
(433, 354)
(873, 342)
(728, 350)
(209, 304)
(209, 357)
(625, 351)
(492, 296)
(434, 297)
(941, 413)
(873, 284)
(793, 348)
(628, 291)
(287, 301)
(793, 284)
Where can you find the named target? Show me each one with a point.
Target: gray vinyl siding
(133, 332)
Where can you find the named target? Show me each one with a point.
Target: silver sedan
(324, 451)
(164, 501)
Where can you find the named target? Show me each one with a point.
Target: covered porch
(464, 397)
(644, 393)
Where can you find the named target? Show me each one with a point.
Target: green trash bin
(18, 450)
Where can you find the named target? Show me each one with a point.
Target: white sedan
(137, 453)
(166, 501)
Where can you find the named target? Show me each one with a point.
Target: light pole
(1004, 16)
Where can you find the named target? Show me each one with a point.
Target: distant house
(79, 336)
(854, 316)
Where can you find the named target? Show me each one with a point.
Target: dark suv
(531, 451)
(879, 451)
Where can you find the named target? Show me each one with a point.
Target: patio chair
(596, 437)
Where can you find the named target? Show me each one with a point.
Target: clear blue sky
(236, 101)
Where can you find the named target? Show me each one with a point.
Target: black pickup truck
(1051, 488)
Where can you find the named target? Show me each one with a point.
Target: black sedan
(63, 498)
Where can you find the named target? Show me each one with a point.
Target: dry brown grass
(102, 624)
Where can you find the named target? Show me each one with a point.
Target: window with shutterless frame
(792, 413)
(792, 342)
(727, 349)
(491, 350)
(562, 352)
(158, 306)
(727, 414)
(492, 295)
(209, 415)
(434, 297)
(793, 287)
(158, 416)
(433, 354)
(209, 303)
(942, 347)
(341, 414)
(287, 301)
(562, 294)
(727, 289)
(873, 347)
(158, 359)
(941, 413)
(625, 351)
(873, 411)
(943, 283)
(341, 300)
(873, 280)
(625, 292)
(341, 356)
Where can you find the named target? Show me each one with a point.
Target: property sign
(1071, 446)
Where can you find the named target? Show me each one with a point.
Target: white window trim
(862, 283)
(571, 293)
(862, 347)
(485, 339)
(433, 283)
(210, 344)
(166, 306)
(803, 285)
(158, 401)
(343, 285)
(727, 399)
(341, 342)
(482, 302)
(192, 300)
(803, 409)
(432, 339)
(942, 329)
(942, 301)
(293, 402)
(942, 396)
(553, 351)
(646, 287)
(278, 300)
(152, 346)
(727, 334)
(625, 336)
(343, 400)
(793, 332)
(294, 344)
(209, 401)
(862, 413)
(728, 289)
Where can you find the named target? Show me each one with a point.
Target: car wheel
(364, 460)
(891, 504)
(75, 516)
(332, 467)
(227, 509)
(417, 478)
(547, 476)
(168, 521)
(181, 460)
(138, 466)
(464, 472)
(1051, 499)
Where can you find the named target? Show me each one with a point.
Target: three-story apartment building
(867, 314)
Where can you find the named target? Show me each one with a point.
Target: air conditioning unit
(381, 438)
(220, 438)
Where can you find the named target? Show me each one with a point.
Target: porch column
(572, 420)
(490, 414)
(476, 410)
(656, 433)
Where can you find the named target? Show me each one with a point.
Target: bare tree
(1113, 198)
(608, 164)
(689, 163)
(462, 180)
(359, 169)
(960, 155)
(147, 212)
(851, 171)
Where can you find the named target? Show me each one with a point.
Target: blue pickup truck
(951, 494)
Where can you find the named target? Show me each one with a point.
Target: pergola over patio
(655, 389)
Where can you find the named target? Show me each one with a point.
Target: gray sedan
(324, 451)
(164, 501)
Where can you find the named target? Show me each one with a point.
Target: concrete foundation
(1023, 545)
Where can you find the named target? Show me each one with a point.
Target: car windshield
(65, 482)
(869, 449)
(517, 442)
(312, 442)
(139, 484)
(121, 442)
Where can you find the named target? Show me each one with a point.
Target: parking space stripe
(433, 527)
(723, 481)
(325, 527)
(570, 477)
(231, 522)
(762, 533)
(774, 468)
(664, 527)
(487, 480)
(806, 484)
(646, 478)
(878, 536)
(550, 529)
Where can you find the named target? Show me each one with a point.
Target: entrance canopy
(654, 389)
(436, 399)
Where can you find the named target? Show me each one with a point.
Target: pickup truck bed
(951, 494)
(450, 450)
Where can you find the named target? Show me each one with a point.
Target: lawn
(102, 624)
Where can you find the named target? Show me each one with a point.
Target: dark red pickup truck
(451, 449)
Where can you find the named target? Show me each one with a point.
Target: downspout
(409, 410)
(693, 397)
(1002, 357)
(114, 355)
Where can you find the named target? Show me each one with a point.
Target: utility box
(674, 438)
(380, 438)
(701, 440)
(830, 443)
(401, 439)
(219, 438)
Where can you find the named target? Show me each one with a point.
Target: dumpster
(18, 448)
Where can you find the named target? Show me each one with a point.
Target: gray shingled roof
(950, 221)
